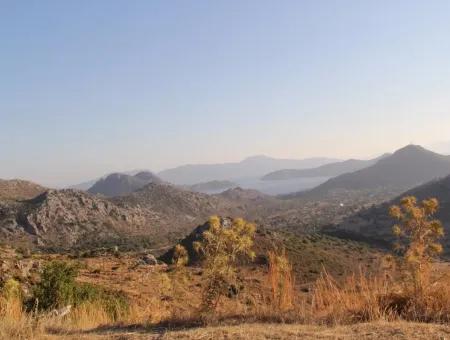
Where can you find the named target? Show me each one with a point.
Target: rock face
(63, 218)
(121, 184)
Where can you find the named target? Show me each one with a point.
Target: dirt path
(376, 330)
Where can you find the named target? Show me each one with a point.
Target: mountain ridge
(406, 168)
(255, 166)
(327, 170)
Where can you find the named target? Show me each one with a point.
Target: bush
(418, 234)
(58, 288)
(221, 247)
(281, 280)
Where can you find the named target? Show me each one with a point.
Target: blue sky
(89, 87)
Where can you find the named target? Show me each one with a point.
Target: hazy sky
(89, 87)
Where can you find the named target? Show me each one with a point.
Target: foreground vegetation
(229, 287)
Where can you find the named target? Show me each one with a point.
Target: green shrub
(58, 288)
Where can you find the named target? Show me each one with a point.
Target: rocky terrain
(153, 215)
(65, 218)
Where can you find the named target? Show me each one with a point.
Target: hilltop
(16, 189)
(118, 184)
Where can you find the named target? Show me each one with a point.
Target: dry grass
(163, 299)
(379, 297)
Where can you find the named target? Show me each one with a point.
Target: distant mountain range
(146, 211)
(327, 170)
(404, 169)
(252, 167)
(122, 184)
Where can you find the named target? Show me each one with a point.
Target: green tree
(57, 286)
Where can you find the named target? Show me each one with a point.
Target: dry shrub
(431, 304)
(357, 299)
(281, 281)
(363, 298)
(14, 322)
(221, 247)
(88, 315)
(418, 235)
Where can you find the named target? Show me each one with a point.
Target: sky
(91, 87)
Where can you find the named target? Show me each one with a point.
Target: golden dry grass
(163, 299)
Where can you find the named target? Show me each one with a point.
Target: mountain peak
(411, 149)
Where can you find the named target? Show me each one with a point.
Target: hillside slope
(403, 170)
(375, 223)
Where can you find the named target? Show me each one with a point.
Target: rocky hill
(16, 189)
(173, 204)
(403, 170)
(66, 218)
(151, 216)
(118, 184)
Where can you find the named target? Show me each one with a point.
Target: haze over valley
(246, 170)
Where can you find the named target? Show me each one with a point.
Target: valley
(123, 235)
